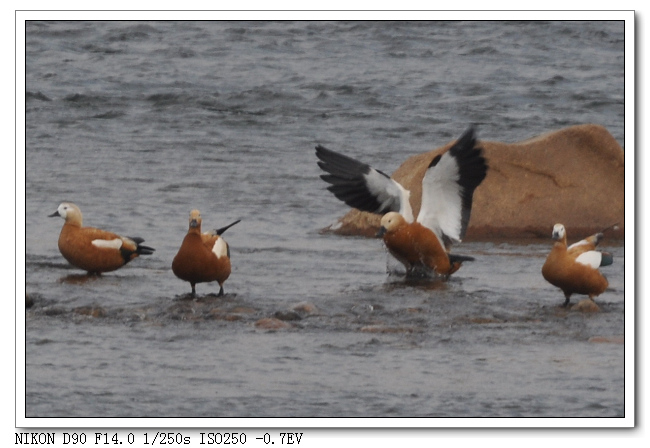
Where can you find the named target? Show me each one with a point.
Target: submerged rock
(287, 315)
(575, 176)
(271, 323)
(305, 307)
(92, 311)
(607, 339)
(380, 328)
(586, 306)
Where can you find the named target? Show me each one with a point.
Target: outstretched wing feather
(448, 188)
(360, 186)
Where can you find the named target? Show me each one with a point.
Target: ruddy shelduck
(447, 190)
(574, 269)
(203, 257)
(95, 250)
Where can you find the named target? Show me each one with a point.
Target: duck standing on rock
(203, 257)
(574, 269)
(95, 250)
(447, 191)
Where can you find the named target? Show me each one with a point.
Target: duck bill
(381, 232)
(56, 213)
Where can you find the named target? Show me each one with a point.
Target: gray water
(138, 123)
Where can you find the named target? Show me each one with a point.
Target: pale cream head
(391, 221)
(69, 212)
(559, 232)
(195, 219)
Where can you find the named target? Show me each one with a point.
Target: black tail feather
(223, 229)
(453, 258)
(613, 226)
(145, 250)
(140, 249)
(606, 259)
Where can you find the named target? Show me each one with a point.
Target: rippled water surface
(137, 123)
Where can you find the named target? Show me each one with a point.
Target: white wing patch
(389, 193)
(441, 209)
(405, 203)
(220, 248)
(108, 244)
(590, 258)
(579, 243)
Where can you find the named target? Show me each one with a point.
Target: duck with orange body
(417, 247)
(95, 250)
(574, 269)
(203, 257)
(421, 245)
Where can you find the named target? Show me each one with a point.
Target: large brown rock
(574, 176)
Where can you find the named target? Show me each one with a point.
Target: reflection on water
(79, 279)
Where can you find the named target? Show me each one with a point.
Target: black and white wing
(448, 188)
(362, 187)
